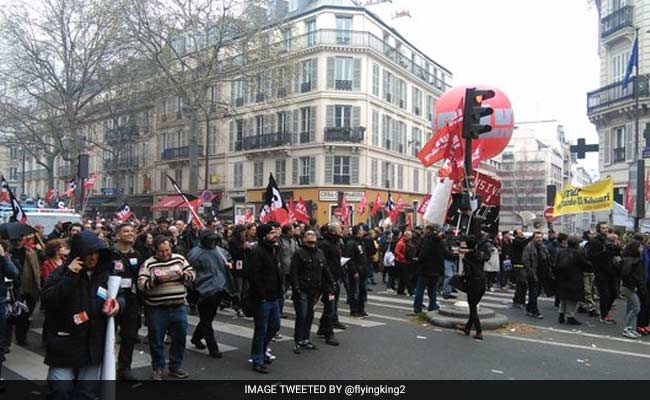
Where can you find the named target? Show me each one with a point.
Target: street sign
(582, 148)
(207, 196)
(548, 214)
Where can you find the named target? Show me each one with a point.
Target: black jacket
(431, 259)
(265, 273)
(518, 245)
(331, 247)
(473, 263)
(239, 258)
(632, 273)
(569, 267)
(601, 252)
(67, 298)
(358, 263)
(128, 265)
(309, 271)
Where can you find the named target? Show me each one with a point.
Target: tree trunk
(50, 172)
(194, 153)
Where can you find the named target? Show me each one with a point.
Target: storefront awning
(96, 201)
(169, 203)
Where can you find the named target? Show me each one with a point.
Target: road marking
(26, 363)
(364, 323)
(439, 300)
(231, 329)
(570, 345)
(188, 345)
(591, 335)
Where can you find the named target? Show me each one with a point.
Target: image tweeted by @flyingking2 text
(357, 390)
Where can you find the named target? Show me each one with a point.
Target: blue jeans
(163, 320)
(450, 270)
(267, 324)
(79, 383)
(430, 284)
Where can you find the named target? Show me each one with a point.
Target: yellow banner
(575, 200)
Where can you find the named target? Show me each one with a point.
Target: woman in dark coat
(476, 283)
(569, 268)
(238, 252)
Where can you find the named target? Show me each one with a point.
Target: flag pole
(640, 186)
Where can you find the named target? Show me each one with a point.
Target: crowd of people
(167, 266)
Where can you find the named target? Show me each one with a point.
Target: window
(417, 102)
(213, 140)
(429, 181)
(374, 178)
(310, 29)
(618, 145)
(238, 175)
(178, 177)
(619, 65)
(429, 112)
(258, 173)
(13, 173)
(238, 92)
(305, 170)
(375, 128)
(306, 71)
(388, 175)
(375, 80)
(305, 120)
(401, 93)
(416, 141)
(342, 116)
(400, 177)
(259, 125)
(416, 180)
(343, 29)
(283, 124)
(343, 73)
(162, 182)
(341, 170)
(281, 172)
(131, 184)
(388, 87)
(286, 39)
(13, 153)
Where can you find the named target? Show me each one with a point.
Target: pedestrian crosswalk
(234, 333)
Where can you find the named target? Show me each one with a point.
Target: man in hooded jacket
(213, 283)
(76, 314)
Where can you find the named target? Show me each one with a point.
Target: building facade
(347, 107)
(611, 108)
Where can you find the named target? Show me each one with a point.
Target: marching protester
(475, 282)
(519, 242)
(75, 322)
(144, 245)
(632, 279)
(357, 272)
(535, 257)
(265, 278)
(404, 262)
(569, 270)
(56, 252)
(430, 266)
(288, 247)
(162, 280)
(310, 278)
(604, 253)
(28, 290)
(238, 252)
(449, 242)
(8, 272)
(127, 260)
(331, 246)
(213, 284)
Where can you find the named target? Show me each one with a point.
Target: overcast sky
(542, 54)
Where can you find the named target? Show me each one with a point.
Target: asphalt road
(392, 344)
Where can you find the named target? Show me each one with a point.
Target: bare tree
(198, 44)
(57, 58)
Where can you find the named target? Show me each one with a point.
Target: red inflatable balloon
(502, 120)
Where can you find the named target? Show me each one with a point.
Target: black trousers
(129, 323)
(21, 322)
(330, 313)
(644, 298)
(607, 290)
(207, 307)
(405, 279)
(304, 303)
(3, 333)
(521, 282)
(475, 291)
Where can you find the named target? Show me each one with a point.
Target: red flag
(291, 207)
(300, 211)
(364, 204)
(345, 210)
(193, 215)
(274, 207)
(90, 182)
(72, 186)
(18, 213)
(629, 202)
(409, 220)
(434, 150)
(424, 205)
(49, 196)
(376, 206)
(647, 188)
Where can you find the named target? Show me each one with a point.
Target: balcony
(122, 133)
(343, 85)
(341, 179)
(619, 155)
(344, 134)
(178, 153)
(614, 93)
(120, 164)
(305, 87)
(614, 22)
(260, 98)
(305, 137)
(266, 141)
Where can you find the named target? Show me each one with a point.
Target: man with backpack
(604, 254)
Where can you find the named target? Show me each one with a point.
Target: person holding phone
(9, 271)
(77, 309)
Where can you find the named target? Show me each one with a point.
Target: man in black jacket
(357, 272)
(265, 277)
(127, 260)
(310, 277)
(330, 244)
(76, 314)
(430, 266)
(519, 242)
(601, 252)
(371, 250)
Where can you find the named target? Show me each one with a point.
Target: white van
(48, 217)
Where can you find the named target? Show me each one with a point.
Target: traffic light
(474, 111)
